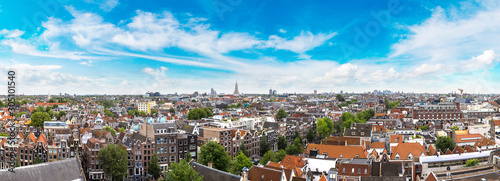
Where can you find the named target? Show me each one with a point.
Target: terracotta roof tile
(293, 160)
(404, 149)
(337, 151)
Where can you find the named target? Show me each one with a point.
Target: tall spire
(236, 92)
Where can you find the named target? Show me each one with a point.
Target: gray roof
(211, 174)
(55, 171)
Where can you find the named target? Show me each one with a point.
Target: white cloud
(282, 31)
(482, 61)
(448, 35)
(39, 79)
(11, 33)
(105, 5)
(87, 63)
(427, 70)
(299, 44)
(22, 47)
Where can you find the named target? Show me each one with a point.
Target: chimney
(210, 164)
(244, 174)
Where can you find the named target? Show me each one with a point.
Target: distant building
(236, 92)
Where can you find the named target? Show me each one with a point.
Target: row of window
(353, 169)
(452, 163)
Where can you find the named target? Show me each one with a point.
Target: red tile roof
(337, 151)
(404, 149)
(293, 160)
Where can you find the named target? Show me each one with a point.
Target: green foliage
(454, 128)
(37, 160)
(282, 142)
(113, 160)
(323, 127)
(38, 118)
(471, 162)
(243, 149)
(215, 153)
(424, 127)
(154, 167)
(310, 135)
(107, 103)
(340, 98)
(268, 156)
(109, 113)
(122, 129)
(390, 105)
(153, 111)
(348, 118)
(172, 110)
(281, 114)
(94, 112)
(271, 156)
(130, 112)
(241, 162)
(39, 109)
(279, 156)
(52, 100)
(198, 113)
(61, 114)
(295, 148)
(264, 145)
(142, 113)
(4, 134)
(182, 171)
(297, 135)
(110, 129)
(445, 142)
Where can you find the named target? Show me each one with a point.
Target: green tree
(38, 118)
(52, 100)
(264, 145)
(182, 171)
(281, 114)
(279, 156)
(268, 156)
(130, 112)
(310, 135)
(154, 111)
(110, 129)
(454, 128)
(122, 129)
(154, 167)
(295, 148)
(424, 127)
(243, 149)
(241, 162)
(94, 112)
(39, 109)
(4, 134)
(340, 98)
(215, 153)
(297, 135)
(471, 162)
(444, 142)
(322, 128)
(172, 110)
(61, 114)
(142, 113)
(109, 113)
(113, 160)
(282, 142)
(37, 160)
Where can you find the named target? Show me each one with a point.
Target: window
(359, 170)
(343, 170)
(366, 171)
(352, 170)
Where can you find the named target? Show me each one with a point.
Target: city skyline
(123, 47)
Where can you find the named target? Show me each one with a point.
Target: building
(236, 92)
(354, 169)
(91, 161)
(442, 111)
(219, 135)
(165, 137)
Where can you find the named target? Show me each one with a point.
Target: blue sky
(130, 47)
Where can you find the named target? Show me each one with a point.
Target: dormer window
(96, 145)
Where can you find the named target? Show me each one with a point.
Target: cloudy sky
(130, 47)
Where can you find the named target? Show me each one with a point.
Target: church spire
(236, 92)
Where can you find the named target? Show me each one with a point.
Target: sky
(293, 46)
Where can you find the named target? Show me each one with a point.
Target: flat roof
(453, 157)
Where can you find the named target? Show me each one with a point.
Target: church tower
(236, 92)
